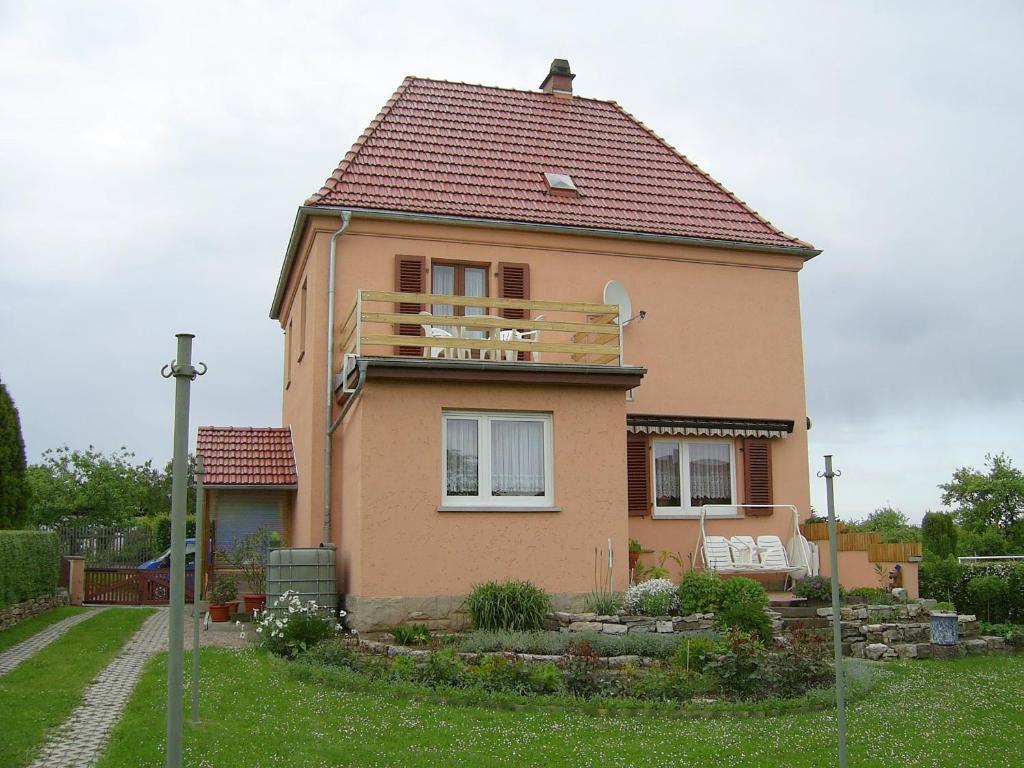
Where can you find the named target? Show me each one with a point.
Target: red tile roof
(247, 455)
(456, 149)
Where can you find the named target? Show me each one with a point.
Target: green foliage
(944, 606)
(512, 675)
(694, 654)
(28, 565)
(291, 627)
(700, 592)
(938, 534)
(801, 665)
(991, 499)
(656, 597)
(986, 541)
(742, 608)
(14, 488)
(634, 546)
(736, 671)
(93, 487)
(333, 653)
(657, 604)
(604, 603)
(892, 525)
(871, 595)
(815, 588)
(249, 555)
(670, 685)
(514, 605)
(649, 644)
(223, 591)
(987, 590)
(411, 634)
(442, 668)
(940, 577)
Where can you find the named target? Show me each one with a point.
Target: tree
(14, 487)
(94, 488)
(993, 499)
(893, 525)
(938, 533)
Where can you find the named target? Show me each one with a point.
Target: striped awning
(708, 426)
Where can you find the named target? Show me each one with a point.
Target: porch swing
(764, 556)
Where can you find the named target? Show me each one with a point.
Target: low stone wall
(606, 662)
(621, 625)
(889, 632)
(26, 609)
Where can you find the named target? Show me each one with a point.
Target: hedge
(29, 562)
(971, 591)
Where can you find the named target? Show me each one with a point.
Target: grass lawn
(921, 714)
(42, 692)
(13, 635)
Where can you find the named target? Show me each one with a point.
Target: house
(519, 328)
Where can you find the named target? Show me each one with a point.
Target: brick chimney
(559, 79)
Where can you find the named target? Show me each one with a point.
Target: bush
(333, 653)
(815, 588)
(871, 595)
(29, 561)
(442, 668)
(223, 591)
(656, 597)
(948, 580)
(986, 590)
(413, 634)
(735, 673)
(742, 608)
(938, 534)
(512, 675)
(700, 592)
(666, 685)
(514, 605)
(604, 603)
(694, 654)
(802, 664)
(292, 627)
(647, 644)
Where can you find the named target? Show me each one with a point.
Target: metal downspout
(346, 217)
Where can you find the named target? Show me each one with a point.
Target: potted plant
(250, 557)
(223, 597)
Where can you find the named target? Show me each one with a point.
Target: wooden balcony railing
(388, 323)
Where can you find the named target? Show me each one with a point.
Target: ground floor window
(691, 473)
(497, 459)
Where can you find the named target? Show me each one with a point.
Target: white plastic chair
(745, 550)
(513, 334)
(719, 555)
(435, 332)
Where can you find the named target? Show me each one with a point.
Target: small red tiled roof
(456, 149)
(247, 455)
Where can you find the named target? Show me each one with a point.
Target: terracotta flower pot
(634, 558)
(254, 602)
(221, 612)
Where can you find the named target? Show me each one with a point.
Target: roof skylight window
(560, 182)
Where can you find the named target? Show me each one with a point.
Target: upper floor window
(691, 473)
(497, 460)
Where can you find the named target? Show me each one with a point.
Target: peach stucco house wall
(716, 359)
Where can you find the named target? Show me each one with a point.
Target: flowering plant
(657, 597)
(292, 626)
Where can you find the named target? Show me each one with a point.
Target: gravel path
(80, 741)
(26, 649)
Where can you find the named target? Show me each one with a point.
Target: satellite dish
(616, 293)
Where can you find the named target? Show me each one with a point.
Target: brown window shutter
(638, 483)
(757, 474)
(514, 283)
(410, 277)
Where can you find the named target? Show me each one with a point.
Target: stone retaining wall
(607, 662)
(26, 609)
(621, 625)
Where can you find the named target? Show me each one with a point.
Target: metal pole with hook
(184, 373)
(837, 629)
(197, 583)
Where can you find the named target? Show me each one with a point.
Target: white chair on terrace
(436, 332)
(719, 555)
(745, 551)
(774, 557)
(513, 334)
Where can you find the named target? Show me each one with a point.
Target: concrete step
(805, 623)
(795, 612)
(777, 601)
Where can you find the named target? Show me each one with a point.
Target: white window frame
(686, 511)
(485, 500)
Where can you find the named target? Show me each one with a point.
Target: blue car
(164, 560)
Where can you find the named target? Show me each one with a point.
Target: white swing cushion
(744, 551)
(773, 554)
(718, 554)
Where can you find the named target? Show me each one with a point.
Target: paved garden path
(81, 739)
(24, 650)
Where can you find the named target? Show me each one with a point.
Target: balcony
(554, 340)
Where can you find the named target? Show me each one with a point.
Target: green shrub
(655, 597)
(442, 668)
(291, 627)
(693, 654)
(29, 562)
(700, 592)
(938, 534)
(412, 634)
(670, 684)
(1015, 638)
(657, 604)
(946, 579)
(499, 673)
(649, 644)
(333, 653)
(514, 605)
(742, 608)
(402, 668)
(737, 670)
(987, 590)
(802, 664)
(871, 595)
(604, 603)
(815, 588)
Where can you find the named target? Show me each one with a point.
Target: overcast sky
(152, 156)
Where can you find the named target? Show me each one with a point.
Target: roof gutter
(305, 211)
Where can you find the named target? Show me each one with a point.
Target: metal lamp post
(837, 629)
(183, 372)
(197, 583)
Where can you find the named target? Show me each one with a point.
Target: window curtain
(666, 474)
(442, 281)
(476, 285)
(710, 474)
(517, 458)
(463, 457)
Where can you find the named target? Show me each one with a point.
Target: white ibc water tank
(309, 571)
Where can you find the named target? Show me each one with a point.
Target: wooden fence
(109, 546)
(866, 541)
